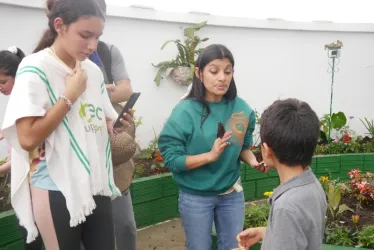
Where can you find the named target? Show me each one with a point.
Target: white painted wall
(274, 59)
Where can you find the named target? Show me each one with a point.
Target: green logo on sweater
(90, 113)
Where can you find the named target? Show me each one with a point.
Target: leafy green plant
(334, 196)
(344, 148)
(337, 121)
(256, 132)
(366, 237)
(139, 171)
(151, 150)
(369, 125)
(338, 235)
(138, 120)
(256, 215)
(186, 52)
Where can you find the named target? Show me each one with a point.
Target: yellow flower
(324, 179)
(268, 194)
(355, 218)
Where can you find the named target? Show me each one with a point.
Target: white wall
(274, 59)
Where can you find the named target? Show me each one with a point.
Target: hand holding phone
(129, 105)
(220, 130)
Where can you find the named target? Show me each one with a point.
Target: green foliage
(334, 196)
(256, 216)
(366, 237)
(139, 171)
(337, 122)
(186, 52)
(369, 125)
(338, 235)
(151, 150)
(344, 148)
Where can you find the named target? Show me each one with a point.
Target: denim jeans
(199, 212)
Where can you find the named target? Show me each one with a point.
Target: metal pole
(332, 91)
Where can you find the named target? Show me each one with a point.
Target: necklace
(52, 52)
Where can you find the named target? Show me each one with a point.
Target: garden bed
(5, 193)
(155, 198)
(350, 213)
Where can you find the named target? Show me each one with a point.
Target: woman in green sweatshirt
(207, 168)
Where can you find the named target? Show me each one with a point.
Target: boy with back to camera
(289, 133)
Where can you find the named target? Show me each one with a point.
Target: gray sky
(340, 11)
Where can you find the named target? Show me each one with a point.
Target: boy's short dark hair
(102, 5)
(291, 129)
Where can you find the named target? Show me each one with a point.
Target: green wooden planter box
(10, 234)
(155, 198)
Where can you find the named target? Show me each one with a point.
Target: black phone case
(221, 130)
(128, 106)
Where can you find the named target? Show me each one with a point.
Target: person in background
(110, 61)
(289, 132)
(207, 168)
(58, 122)
(9, 62)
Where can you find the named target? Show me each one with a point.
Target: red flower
(346, 138)
(158, 157)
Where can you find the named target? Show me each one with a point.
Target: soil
(366, 213)
(146, 165)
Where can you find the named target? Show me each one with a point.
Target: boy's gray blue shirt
(297, 215)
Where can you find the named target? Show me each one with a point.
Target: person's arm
(33, 130)
(121, 92)
(122, 89)
(250, 237)
(5, 168)
(287, 231)
(246, 154)
(172, 145)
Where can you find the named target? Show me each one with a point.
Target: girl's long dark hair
(197, 93)
(10, 61)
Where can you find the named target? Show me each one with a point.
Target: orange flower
(158, 157)
(347, 138)
(355, 218)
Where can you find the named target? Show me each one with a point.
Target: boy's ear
(268, 155)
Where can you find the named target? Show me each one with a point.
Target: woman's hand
(126, 121)
(219, 146)
(76, 83)
(259, 166)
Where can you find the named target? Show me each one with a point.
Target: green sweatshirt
(183, 135)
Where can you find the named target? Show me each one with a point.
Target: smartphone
(129, 105)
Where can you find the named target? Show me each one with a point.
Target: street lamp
(333, 53)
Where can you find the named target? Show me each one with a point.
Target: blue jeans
(199, 212)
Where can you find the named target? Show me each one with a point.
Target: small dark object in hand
(221, 130)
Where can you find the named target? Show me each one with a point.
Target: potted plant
(181, 68)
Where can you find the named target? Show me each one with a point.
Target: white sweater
(78, 154)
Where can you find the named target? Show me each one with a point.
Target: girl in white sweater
(57, 121)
